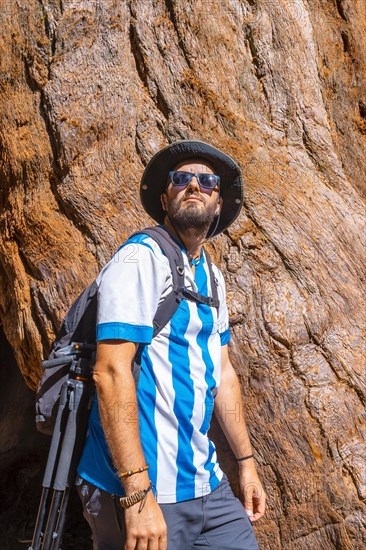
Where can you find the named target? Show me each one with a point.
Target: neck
(191, 239)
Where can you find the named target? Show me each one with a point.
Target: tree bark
(90, 90)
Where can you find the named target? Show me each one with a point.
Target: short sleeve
(129, 290)
(223, 315)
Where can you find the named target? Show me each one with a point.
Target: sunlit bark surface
(89, 90)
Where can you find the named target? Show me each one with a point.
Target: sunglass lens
(181, 178)
(209, 180)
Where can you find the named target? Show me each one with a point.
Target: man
(154, 439)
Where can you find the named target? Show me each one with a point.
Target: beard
(192, 215)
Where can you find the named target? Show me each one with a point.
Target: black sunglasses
(206, 182)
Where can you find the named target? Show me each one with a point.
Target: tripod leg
(57, 436)
(75, 432)
(51, 469)
(37, 535)
(68, 454)
(50, 532)
(61, 520)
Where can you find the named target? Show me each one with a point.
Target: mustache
(190, 195)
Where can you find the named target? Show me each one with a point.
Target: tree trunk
(90, 90)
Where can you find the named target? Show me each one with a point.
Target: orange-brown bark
(90, 90)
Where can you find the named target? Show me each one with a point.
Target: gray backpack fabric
(75, 345)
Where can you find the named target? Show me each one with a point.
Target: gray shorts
(217, 521)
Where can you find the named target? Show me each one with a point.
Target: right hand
(146, 530)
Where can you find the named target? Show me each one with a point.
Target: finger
(153, 544)
(256, 517)
(163, 542)
(253, 491)
(248, 496)
(259, 507)
(130, 543)
(157, 544)
(142, 543)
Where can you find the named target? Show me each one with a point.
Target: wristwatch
(134, 498)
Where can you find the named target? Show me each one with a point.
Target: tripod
(66, 446)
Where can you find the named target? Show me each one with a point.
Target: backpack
(74, 349)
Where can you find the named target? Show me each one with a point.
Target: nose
(193, 184)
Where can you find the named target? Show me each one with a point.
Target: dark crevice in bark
(340, 9)
(162, 104)
(170, 8)
(3, 194)
(139, 151)
(346, 43)
(314, 416)
(10, 180)
(236, 319)
(351, 474)
(347, 381)
(5, 298)
(362, 109)
(30, 80)
(143, 73)
(312, 152)
(49, 30)
(49, 314)
(311, 336)
(260, 69)
(274, 336)
(307, 144)
(51, 35)
(138, 56)
(40, 324)
(29, 267)
(280, 483)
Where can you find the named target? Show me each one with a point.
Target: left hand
(252, 490)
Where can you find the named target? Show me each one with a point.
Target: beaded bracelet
(129, 473)
(244, 458)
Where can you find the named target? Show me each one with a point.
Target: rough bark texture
(90, 90)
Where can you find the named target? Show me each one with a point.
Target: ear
(218, 206)
(163, 201)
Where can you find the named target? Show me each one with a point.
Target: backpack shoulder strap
(79, 318)
(214, 282)
(169, 305)
(171, 250)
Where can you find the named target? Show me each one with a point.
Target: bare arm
(229, 411)
(119, 417)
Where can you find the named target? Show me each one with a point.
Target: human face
(190, 208)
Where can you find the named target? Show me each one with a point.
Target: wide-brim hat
(155, 177)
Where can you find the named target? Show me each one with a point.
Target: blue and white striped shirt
(179, 371)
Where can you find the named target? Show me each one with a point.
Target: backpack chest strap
(200, 298)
